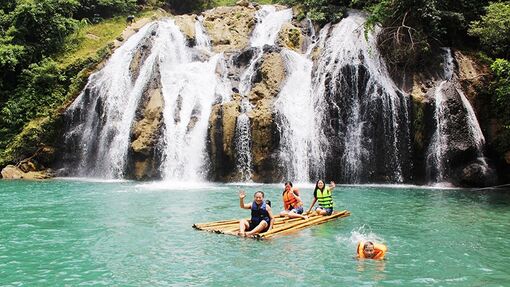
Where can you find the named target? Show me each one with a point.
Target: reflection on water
(373, 269)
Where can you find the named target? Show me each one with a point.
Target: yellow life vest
(324, 198)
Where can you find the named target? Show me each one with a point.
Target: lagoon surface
(86, 232)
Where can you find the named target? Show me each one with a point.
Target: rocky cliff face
(229, 27)
(463, 155)
(385, 134)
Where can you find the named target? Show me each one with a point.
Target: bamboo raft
(282, 225)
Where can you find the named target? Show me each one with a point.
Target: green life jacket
(324, 198)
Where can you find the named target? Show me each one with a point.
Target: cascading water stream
(269, 23)
(437, 163)
(201, 38)
(361, 114)
(436, 155)
(243, 141)
(294, 113)
(188, 89)
(103, 112)
(436, 160)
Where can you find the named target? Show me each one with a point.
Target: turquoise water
(72, 232)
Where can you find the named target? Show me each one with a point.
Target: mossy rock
(36, 134)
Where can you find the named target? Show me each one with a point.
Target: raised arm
(242, 195)
(332, 185)
(295, 191)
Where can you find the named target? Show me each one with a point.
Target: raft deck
(282, 225)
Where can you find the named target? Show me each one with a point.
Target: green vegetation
(34, 93)
(501, 101)
(320, 11)
(233, 2)
(48, 48)
(493, 29)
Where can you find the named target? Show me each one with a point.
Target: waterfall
(362, 123)
(473, 125)
(294, 116)
(106, 109)
(295, 113)
(338, 113)
(103, 112)
(438, 160)
(243, 141)
(201, 38)
(188, 89)
(269, 23)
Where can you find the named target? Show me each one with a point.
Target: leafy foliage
(182, 7)
(501, 102)
(493, 29)
(105, 8)
(31, 33)
(320, 11)
(501, 85)
(40, 90)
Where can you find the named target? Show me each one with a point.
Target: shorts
(329, 211)
(298, 210)
(255, 224)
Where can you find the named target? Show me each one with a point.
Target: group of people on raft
(262, 218)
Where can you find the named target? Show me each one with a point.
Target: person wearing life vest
(262, 218)
(323, 195)
(369, 250)
(292, 203)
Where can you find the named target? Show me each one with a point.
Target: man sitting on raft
(292, 203)
(262, 218)
(369, 250)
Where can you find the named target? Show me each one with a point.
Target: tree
(494, 29)
(105, 8)
(320, 11)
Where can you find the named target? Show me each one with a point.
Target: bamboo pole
(278, 229)
(303, 225)
(281, 225)
(228, 223)
(309, 222)
(232, 221)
